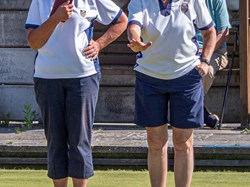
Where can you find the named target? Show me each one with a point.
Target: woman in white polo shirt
(67, 76)
(168, 76)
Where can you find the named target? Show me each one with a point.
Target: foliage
(6, 122)
(29, 116)
(246, 131)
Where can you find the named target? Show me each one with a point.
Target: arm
(134, 37)
(221, 38)
(38, 37)
(222, 23)
(134, 32)
(109, 36)
(113, 32)
(209, 41)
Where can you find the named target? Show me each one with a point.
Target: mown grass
(124, 178)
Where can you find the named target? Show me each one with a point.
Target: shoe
(212, 120)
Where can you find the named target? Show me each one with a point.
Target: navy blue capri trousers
(68, 108)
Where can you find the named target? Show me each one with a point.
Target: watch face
(205, 60)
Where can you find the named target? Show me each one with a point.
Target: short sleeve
(34, 19)
(108, 12)
(204, 20)
(221, 16)
(135, 13)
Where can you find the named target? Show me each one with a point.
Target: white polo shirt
(172, 30)
(61, 56)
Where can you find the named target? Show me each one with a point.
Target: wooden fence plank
(12, 31)
(16, 65)
(126, 162)
(16, 70)
(13, 99)
(117, 70)
(117, 61)
(15, 4)
(115, 104)
(214, 99)
(244, 40)
(25, 4)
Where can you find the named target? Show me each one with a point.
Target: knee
(183, 146)
(157, 143)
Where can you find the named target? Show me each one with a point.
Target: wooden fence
(116, 98)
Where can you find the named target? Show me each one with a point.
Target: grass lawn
(124, 178)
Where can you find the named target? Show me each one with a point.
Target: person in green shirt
(219, 13)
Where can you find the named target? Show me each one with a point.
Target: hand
(203, 68)
(137, 46)
(64, 11)
(92, 50)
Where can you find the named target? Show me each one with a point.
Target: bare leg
(80, 182)
(60, 182)
(157, 138)
(184, 156)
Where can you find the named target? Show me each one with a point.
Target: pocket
(194, 73)
(197, 72)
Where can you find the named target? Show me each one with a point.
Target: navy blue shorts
(183, 96)
(68, 108)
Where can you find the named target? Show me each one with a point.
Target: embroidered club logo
(83, 13)
(184, 6)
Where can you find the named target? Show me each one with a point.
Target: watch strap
(207, 61)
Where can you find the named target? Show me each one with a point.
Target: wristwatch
(207, 61)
